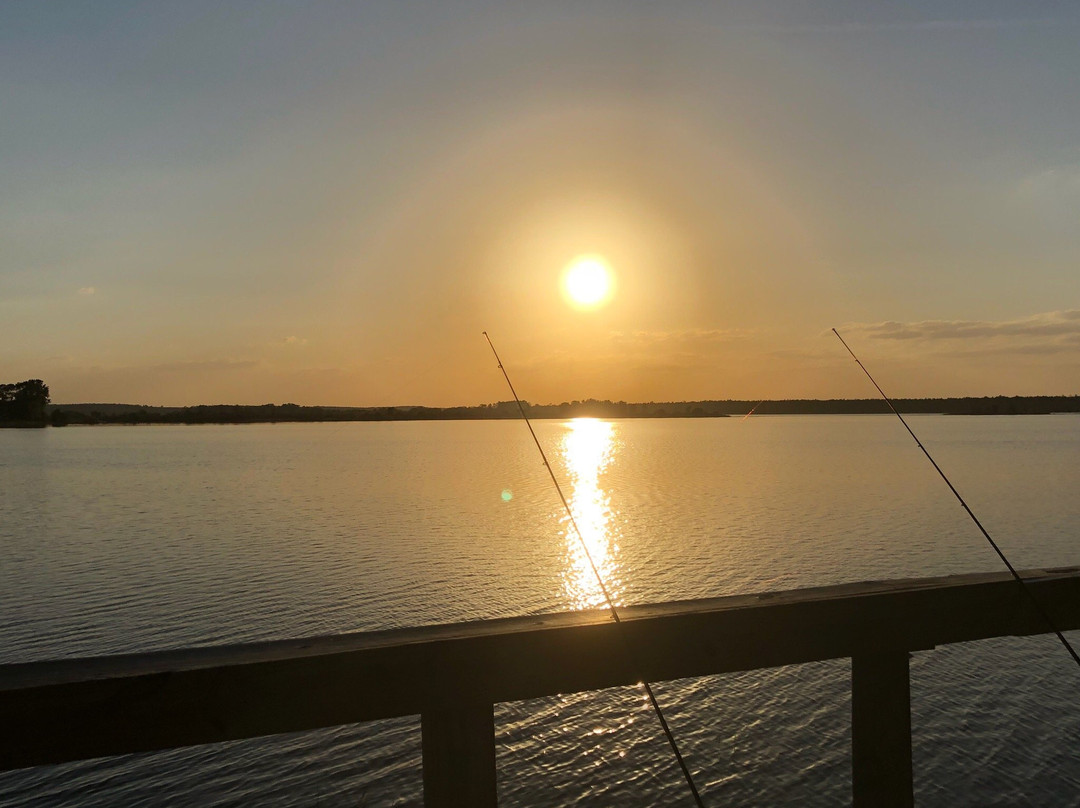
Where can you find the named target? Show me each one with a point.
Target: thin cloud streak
(1049, 324)
(697, 335)
(193, 366)
(1049, 337)
(859, 27)
(1055, 181)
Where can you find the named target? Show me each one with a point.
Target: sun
(588, 282)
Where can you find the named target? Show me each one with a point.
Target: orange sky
(328, 204)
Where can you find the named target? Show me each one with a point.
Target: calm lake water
(123, 539)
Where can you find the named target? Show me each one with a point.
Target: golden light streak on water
(587, 450)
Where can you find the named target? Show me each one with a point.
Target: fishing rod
(600, 579)
(1023, 584)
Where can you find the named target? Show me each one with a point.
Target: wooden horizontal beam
(54, 712)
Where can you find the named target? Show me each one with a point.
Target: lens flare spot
(507, 495)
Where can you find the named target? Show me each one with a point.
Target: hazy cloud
(1059, 180)
(688, 336)
(1053, 323)
(296, 340)
(870, 27)
(86, 291)
(1049, 332)
(207, 366)
(232, 380)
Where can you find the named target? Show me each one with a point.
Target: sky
(327, 203)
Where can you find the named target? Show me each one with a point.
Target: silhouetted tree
(24, 401)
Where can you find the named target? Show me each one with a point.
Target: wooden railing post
(881, 730)
(459, 756)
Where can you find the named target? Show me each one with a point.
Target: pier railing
(452, 675)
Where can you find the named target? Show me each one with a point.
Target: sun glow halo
(588, 282)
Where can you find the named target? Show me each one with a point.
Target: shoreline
(92, 414)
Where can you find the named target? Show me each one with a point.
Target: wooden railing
(452, 675)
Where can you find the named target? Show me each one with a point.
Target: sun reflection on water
(587, 449)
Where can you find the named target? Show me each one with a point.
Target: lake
(124, 539)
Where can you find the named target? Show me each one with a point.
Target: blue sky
(328, 202)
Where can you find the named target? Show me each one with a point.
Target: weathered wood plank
(75, 709)
(881, 731)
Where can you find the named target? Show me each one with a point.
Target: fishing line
(599, 577)
(960, 499)
(752, 410)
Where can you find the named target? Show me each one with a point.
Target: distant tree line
(274, 413)
(23, 403)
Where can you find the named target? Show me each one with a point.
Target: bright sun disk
(588, 282)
